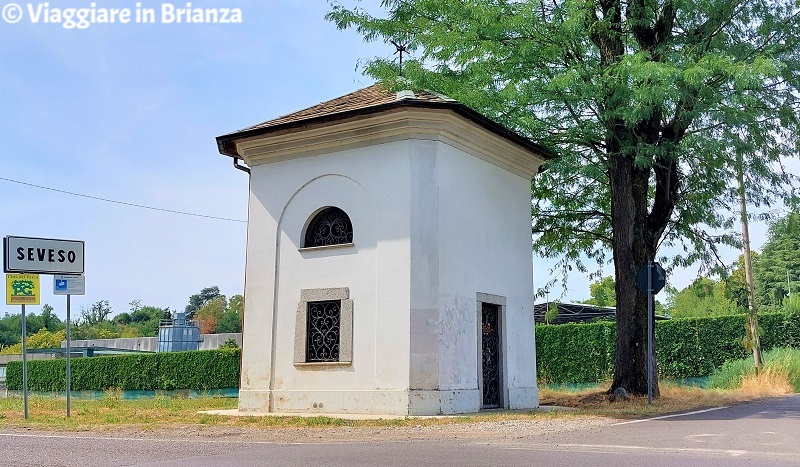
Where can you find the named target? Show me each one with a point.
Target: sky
(129, 112)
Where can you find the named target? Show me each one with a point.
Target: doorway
(491, 357)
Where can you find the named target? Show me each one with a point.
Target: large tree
(647, 103)
(603, 292)
(777, 269)
(199, 300)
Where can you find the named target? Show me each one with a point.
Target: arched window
(331, 226)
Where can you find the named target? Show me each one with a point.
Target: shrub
(685, 348)
(203, 369)
(575, 353)
(692, 347)
(229, 344)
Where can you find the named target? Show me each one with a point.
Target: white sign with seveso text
(69, 285)
(42, 256)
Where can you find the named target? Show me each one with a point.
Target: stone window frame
(500, 301)
(341, 294)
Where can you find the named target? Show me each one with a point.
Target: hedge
(203, 369)
(685, 348)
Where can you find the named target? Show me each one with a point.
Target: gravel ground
(484, 430)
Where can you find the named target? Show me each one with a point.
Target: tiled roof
(371, 96)
(373, 99)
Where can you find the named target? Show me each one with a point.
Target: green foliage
(779, 257)
(220, 316)
(650, 106)
(11, 325)
(96, 313)
(204, 369)
(780, 360)
(730, 374)
(551, 313)
(603, 292)
(704, 297)
(577, 353)
(792, 304)
(680, 86)
(141, 321)
(197, 300)
(144, 319)
(229, 344)
(43, 339)
(697, 346)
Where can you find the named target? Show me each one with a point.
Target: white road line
(670, 416)
(615, 448)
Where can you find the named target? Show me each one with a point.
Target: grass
(738, 384)
(780, 372)
(112, 412)
(673, 399)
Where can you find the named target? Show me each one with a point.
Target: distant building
(576, 313)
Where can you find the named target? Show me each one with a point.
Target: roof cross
(400, 50)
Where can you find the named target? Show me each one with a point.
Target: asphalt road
(763, 433)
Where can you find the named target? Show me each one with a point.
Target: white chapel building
(388, 259)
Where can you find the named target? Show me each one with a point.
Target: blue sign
(69, 285)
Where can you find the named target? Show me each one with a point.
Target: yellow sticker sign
(23, 289)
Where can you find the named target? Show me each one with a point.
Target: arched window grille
(331, 226)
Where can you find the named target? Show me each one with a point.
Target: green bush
(575, 353)
(691, 347)
(685, 348)
(203, 369)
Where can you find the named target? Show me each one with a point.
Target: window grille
(322, 341)
(331, 226)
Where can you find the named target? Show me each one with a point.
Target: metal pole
(649, 332)
(24, 366)
(69, 351)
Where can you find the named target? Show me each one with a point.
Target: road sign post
(649, 332)
(32, 256)
(69, 285)
(24, 366)
(650, 279)
(23, 289)
(69, 354)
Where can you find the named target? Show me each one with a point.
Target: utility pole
(752, 317)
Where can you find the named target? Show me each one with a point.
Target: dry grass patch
(673, 398)
(767, 383)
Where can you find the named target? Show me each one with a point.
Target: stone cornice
(393, 125)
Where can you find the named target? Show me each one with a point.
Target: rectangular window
(323, 333)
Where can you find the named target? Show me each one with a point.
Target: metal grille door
(490, 343)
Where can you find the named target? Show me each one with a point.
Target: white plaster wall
(372, 185)
(433, 226)
(484, 243)
(424, 313)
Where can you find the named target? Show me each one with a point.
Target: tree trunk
(633, 247)
(753, 340)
